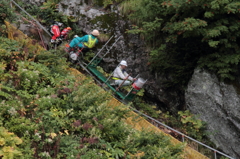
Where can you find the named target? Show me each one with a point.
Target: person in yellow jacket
(86, 42)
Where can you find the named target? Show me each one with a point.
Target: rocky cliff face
(129, 47)
(217, 104)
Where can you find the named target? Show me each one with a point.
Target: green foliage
(3, 30)
(9, 145)
(155, 141)
(106, 3)
(47, 13)
(186, 123)
(106, 21)
(177, 64)
(146, 108)
(193, 123)
(58, 116)
(6, 12)
(213, 26)
(223, 157)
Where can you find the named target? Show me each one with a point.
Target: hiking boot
(53, 41)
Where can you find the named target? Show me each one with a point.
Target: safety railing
(215, 152)
(31, 17)
(158, 122)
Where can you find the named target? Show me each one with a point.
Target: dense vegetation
(187, 34)
(48, 112)
(56, 116)
(55, 130)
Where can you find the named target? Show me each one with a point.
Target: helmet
(69, 28)
(95, 32)
(123, 63)
(59, 24)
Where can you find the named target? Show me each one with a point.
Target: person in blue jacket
(86, 42)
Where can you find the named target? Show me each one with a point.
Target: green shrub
(6, 12)
(9, 145)
(184, 35)
(57, 116)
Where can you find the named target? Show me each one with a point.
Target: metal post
(111, 46)
(111, 74)
(136, 78)
(100, 50)
(128, 92)
(215, 155)
(109, 77)
(122, 82)
(215, 151)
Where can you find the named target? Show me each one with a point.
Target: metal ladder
(96, 59)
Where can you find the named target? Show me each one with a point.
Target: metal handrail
(183, 135)
(112, 46)
(103, 47)
(31, 17)
(100, 50)
(111, 75)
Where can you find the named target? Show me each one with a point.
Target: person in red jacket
(65, 32)
(55, 30)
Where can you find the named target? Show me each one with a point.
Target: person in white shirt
(120, 74)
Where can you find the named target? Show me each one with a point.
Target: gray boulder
(217, 104)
